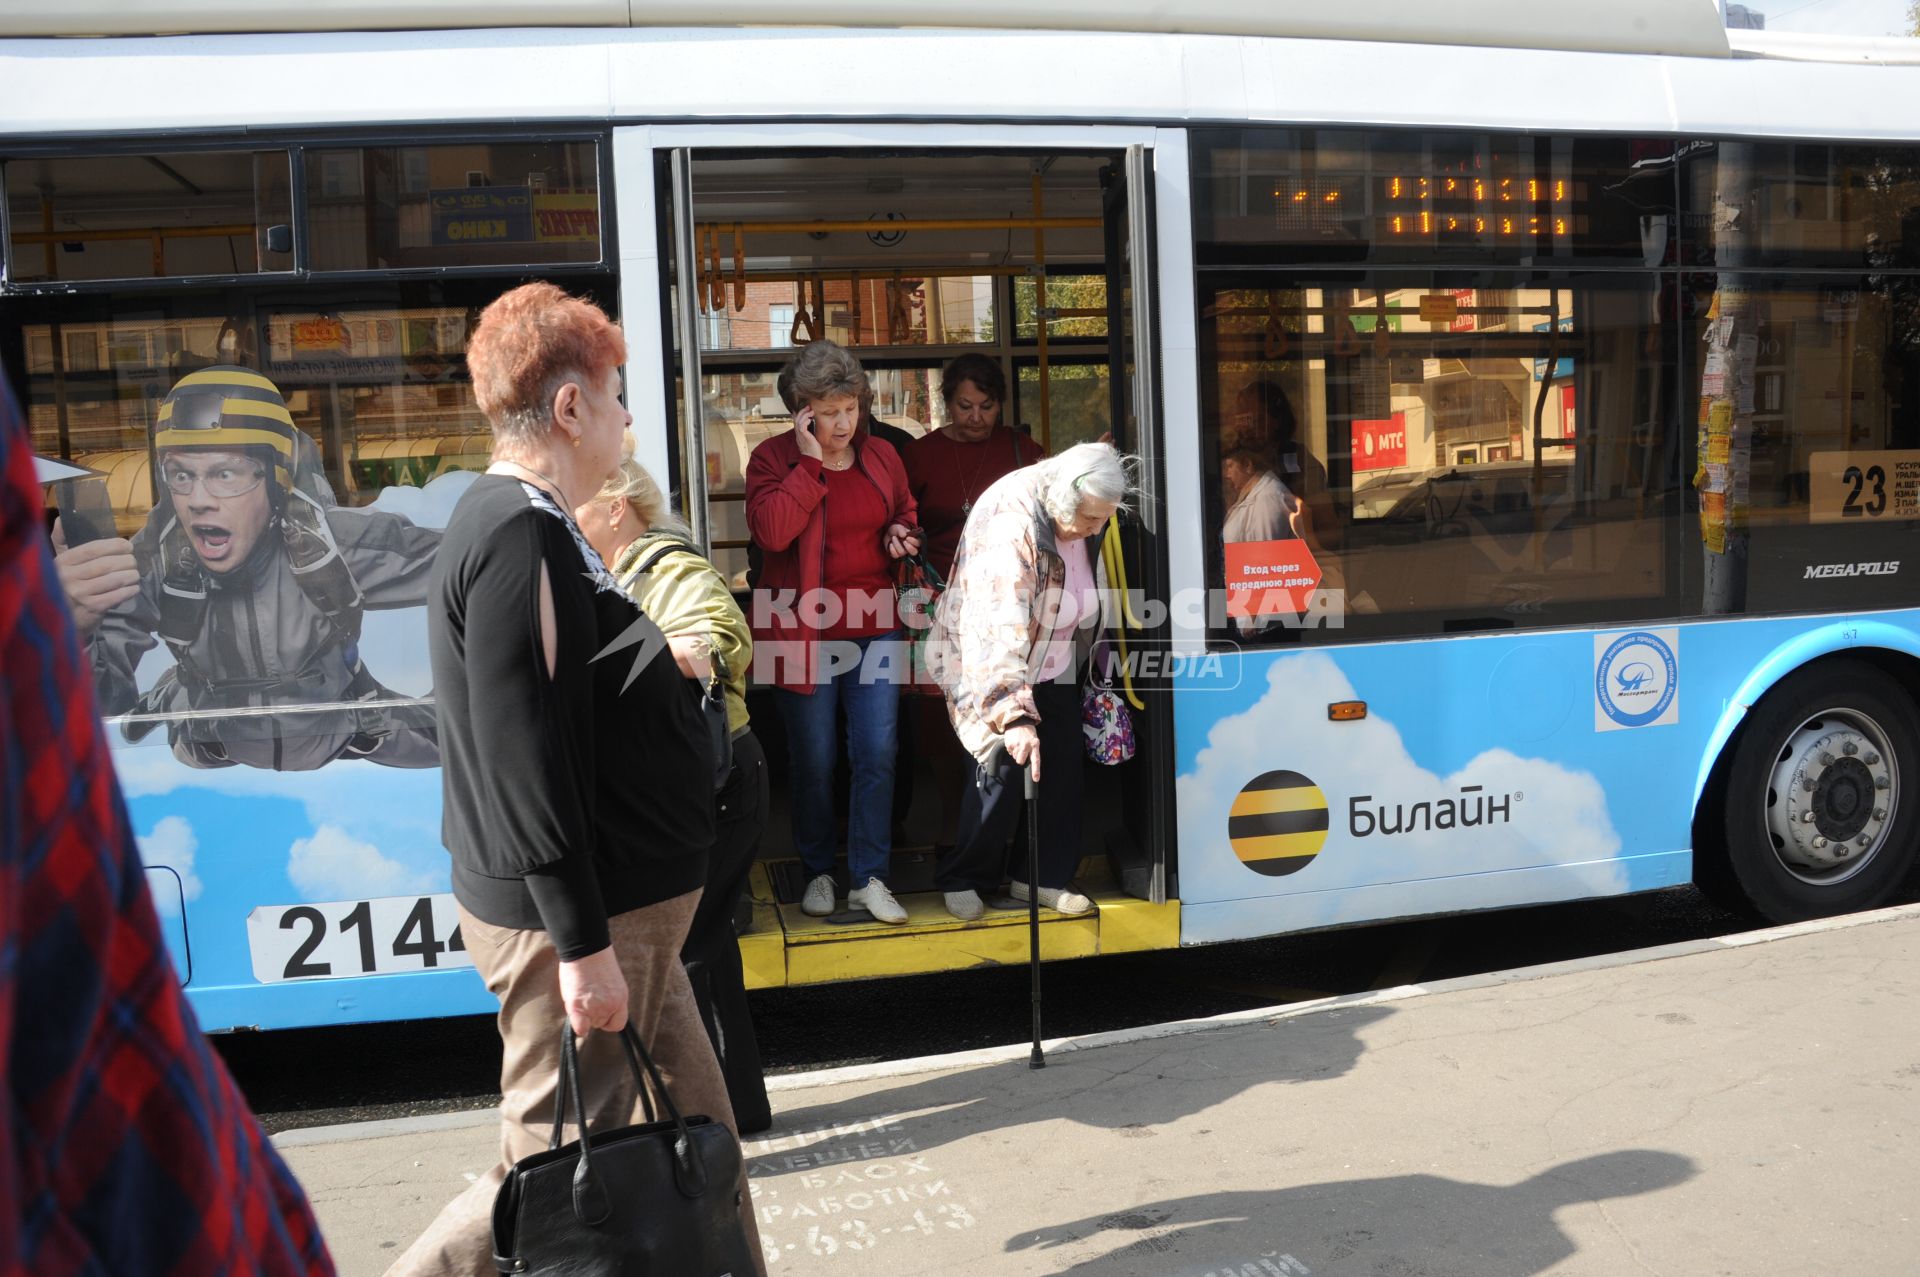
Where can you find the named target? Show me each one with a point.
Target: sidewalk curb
(890, 1069)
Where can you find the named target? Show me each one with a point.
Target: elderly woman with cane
(577, 790)
(1008, 642)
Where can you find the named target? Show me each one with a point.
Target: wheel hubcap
(1832, 796)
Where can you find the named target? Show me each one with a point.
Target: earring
(576, 441)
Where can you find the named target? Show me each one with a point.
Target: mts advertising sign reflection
(1378, 445)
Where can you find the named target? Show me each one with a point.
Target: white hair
(1086, 471)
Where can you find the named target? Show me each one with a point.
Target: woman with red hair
(578, 790)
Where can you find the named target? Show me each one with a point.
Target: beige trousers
(522, 968)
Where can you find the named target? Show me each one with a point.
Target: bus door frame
(654, 222)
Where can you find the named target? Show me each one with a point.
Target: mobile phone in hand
(86, 512)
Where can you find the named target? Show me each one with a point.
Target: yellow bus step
(787, 947)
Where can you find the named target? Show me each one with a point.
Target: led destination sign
(1434, 209)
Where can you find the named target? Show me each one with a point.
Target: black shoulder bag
(659, 1198)
(713, 696)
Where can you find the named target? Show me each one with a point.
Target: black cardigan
(569, 799)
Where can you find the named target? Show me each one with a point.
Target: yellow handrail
(1116, 565)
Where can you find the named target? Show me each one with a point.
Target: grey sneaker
(1060, 899)
(878, 901)
(965, 905)
(818, 900)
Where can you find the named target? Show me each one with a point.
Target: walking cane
(1037, 1060)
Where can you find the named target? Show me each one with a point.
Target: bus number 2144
(335, 939)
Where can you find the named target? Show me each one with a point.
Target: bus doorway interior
(910, 259)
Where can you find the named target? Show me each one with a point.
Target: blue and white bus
(1587, 335)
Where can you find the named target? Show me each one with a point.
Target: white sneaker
(965, 905)
(818, 900)
(1060, 899)
(878, 901)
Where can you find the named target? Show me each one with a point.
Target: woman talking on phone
(829, 508)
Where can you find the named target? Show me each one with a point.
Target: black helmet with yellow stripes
(230, 409)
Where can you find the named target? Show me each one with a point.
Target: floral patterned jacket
(1001, 606)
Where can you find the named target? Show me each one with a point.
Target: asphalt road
(316, 1077)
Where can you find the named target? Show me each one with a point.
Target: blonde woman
(651, 554)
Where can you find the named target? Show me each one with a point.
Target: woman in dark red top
(828, 506)
(948, 469)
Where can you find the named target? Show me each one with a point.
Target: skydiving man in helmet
(255, 579)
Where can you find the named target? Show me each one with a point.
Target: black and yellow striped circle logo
(1278, 823)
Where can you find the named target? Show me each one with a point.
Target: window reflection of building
(375, 377)
(1444, 426)
(495, 203)
(1569, 439)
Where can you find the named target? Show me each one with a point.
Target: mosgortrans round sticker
(1635, 680)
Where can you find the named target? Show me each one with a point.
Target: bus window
(94, 217)
(1079, 394)
(479, 204)
(1815, 205)
(1460, 458)
(1076, 305)
(302, 538)
(1809, 438)
(751, 312)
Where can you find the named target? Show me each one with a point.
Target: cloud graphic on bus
(1558, 817)
(359, 797)
(172, 844)
(1633, 677)
(430, 506)
(334, 865)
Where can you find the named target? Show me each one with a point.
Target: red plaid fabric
(125, 1147)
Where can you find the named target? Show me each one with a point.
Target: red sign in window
(1268, 578)
(1380, 444)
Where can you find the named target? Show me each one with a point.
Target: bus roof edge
(1682, 27)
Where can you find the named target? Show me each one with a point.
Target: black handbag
(713, 696)
(713, 712)
(653, 1200)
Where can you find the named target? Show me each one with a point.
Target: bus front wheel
(1822, 799)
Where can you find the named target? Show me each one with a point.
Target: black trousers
(990, 806)
(711, 953)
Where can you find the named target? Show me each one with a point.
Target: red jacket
(785, 519)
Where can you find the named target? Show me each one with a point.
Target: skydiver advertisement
(247, 618)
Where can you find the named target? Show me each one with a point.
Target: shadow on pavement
(1401, 1224)
(1118, 1088)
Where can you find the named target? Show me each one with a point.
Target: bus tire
(1822, 797)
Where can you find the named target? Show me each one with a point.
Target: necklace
(966, 489)
(558, 493)
(845, 465)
